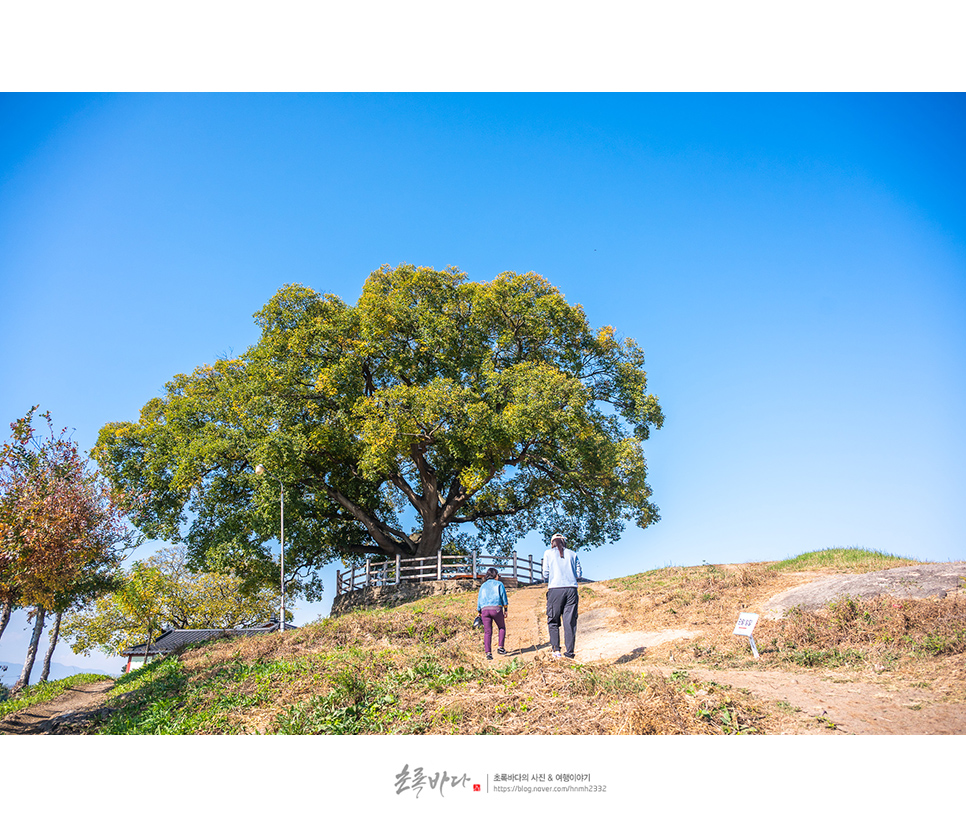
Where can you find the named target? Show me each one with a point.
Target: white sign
(746, 624)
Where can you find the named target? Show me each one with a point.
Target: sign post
(744, 628)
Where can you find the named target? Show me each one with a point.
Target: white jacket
(561, 572)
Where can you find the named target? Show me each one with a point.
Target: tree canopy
(62, 528)
(162, 592)
(434, 410)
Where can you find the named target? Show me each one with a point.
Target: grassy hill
(418, 668)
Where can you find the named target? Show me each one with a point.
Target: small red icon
(476, 787)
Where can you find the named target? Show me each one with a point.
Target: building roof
(175, 638)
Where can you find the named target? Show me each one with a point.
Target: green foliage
(162, 593)
(62, 528)
(937, 643)
(486, 407)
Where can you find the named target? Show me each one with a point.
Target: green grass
(47, 691)
(359, 703)
(852, 559)
(358, 691)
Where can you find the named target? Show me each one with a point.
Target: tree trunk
(28, 665)
(54, 634)
(147, 646)
(5, 615)
(427, 550)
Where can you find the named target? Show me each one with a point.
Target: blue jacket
(492, 595)
(561, 573)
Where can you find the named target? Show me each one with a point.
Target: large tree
(62, 527)
(162, 592)
(434, 407)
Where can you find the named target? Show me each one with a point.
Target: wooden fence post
(397, 568)
(368, 571)
(439, 564)
(474, 564)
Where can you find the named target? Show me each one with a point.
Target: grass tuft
(842, 560)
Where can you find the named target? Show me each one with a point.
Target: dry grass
(553, 699)
(418, 668)
(414, 670)
(917, 641)
(706, 598)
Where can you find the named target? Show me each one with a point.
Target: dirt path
(847, 707)
(596, 641)
(853, 708)
(66, 714)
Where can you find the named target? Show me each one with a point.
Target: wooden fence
(524, 570)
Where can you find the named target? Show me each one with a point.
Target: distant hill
(57, 671)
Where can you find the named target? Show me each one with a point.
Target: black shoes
(501, 650)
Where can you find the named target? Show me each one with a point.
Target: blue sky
(793, 265)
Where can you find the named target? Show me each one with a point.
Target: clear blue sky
(793, 266)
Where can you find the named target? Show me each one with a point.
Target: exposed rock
(917, 581)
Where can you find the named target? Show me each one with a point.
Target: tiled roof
(175, 638)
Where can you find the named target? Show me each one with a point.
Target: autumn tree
(62, 528)
(434, 407)
(159, 593)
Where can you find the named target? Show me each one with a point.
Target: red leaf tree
(62, 529)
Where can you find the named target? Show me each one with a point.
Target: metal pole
(397, 568)
(439, 564)
(281, 609)
(515, 565)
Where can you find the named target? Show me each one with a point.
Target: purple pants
(490, 616)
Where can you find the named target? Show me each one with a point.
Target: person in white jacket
(561, 570)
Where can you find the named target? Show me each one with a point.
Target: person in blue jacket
(561, 570)
(492, 604)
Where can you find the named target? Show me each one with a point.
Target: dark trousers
(562, 607)
(491, 616)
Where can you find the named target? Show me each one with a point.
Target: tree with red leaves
(62, 529)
